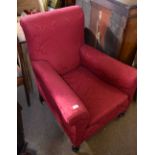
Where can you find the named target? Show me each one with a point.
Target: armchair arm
(111, 70)
(69, 105)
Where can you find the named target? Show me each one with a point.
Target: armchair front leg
(80, 129)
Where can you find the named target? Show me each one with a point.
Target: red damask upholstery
(84, 88)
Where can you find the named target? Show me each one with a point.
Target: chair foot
(75, 149)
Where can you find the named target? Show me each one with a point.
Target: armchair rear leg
(41, 98)
(27, 96)
(75, 148)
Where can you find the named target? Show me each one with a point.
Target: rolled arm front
(109, 69)
(68, 103)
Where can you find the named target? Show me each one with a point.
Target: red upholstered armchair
(84, 88)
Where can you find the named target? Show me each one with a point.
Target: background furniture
(20, 134)
(60, 3)
(69, 2)
(21, 144)
(23, 73)
(112, 26)
(84, 88)
(38, 5)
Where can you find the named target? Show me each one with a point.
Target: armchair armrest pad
(113, 71)
(68, 103)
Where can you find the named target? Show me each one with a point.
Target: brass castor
(75, 149)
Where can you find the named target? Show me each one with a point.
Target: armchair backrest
(55, 36)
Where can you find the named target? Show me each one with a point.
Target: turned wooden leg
(75, 148)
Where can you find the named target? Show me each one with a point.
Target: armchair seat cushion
(101, 99)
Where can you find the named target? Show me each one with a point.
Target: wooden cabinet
(60, 3)
(69, 2)
(112, 27)
(29, 5)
